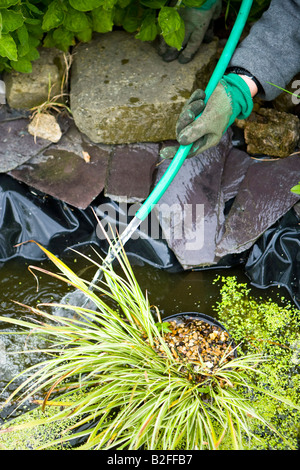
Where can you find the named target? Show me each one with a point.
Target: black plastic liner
(25, 215)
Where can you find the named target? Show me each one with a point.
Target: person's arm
(271, 51)
(251, 84)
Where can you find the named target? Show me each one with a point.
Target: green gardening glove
(230, 100)
(196, 22)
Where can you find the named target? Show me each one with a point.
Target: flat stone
(123, 92)
(26, 90)
(16, 144)
(263, 198)
(131, 169)
(73, 171)
(191, 211)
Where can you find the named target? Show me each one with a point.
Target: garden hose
(183, 150)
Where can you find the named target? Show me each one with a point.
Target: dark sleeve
(271, 51)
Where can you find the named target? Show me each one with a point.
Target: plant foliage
(273, 330)
(27, 25)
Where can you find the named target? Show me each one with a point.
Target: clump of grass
(127, 396)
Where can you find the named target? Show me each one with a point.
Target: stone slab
(191, 211)
(123, 92)
(264, 196)
(16, 144)
(73, 171)
(131, 169)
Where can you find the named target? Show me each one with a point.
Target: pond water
(170, 292)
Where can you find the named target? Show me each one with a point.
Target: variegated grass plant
(113, 390)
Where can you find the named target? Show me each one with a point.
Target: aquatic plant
(104, 373)
(271, 329)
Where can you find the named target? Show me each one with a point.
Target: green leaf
(296, 189)
(48, 40)
(11, 20)
(172, 26)
(54, 16)
(23, 47)
(1, 24)
(63, 38)
(132, 19)
(8, 3)
(85, 36)
(34, 9)
(22, 65)
(123, 3)
(33, 21)
(76, 20)
(119, 15)
(148, 30)
(86, 5)
(194, 3)
(8, 47)
(102, 20)
(153, 3)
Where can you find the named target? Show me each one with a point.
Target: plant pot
(200, 341)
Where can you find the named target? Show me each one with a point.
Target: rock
(264, 196)
(270, 132)
(24, 91)
(130, 172)
(64, 171)
(45, 126)
(17, 145)
(123, 92)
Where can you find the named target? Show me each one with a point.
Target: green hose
(183, 151)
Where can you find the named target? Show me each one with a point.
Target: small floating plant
(110, 379)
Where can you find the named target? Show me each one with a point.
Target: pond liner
(26, 214)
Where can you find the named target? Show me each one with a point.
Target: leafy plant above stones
(27, 25)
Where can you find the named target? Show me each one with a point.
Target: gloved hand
(196, 21)
(2, 92)
(230, 100)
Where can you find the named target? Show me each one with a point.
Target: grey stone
(74, 170)
(123, 92)
(131, 171)
(26, 90)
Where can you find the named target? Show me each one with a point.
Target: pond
(171, 292)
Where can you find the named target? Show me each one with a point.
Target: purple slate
(16, 144)
(73, 170)
(263, 197)
(191, 210)
(131, 170)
